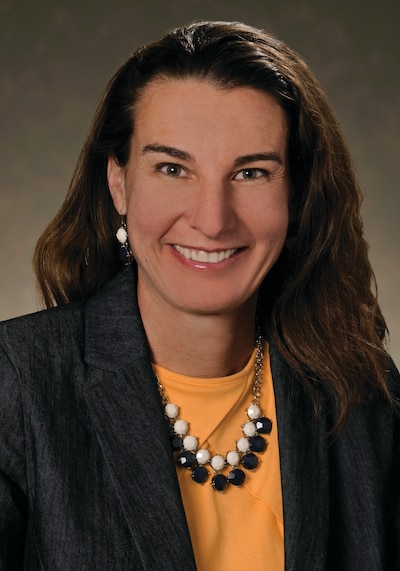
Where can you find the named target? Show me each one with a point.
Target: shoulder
(41, 367)
(42, 323)
(43, 317)
(36, 337)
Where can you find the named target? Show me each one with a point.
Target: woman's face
(206, 194)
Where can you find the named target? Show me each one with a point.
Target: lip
(205, 259)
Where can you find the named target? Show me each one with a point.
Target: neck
(200, 345)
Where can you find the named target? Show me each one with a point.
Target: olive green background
(55, 58)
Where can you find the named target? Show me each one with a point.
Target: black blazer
(87, 479)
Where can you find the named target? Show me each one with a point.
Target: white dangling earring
(125, 252)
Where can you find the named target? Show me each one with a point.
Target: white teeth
(207, 257)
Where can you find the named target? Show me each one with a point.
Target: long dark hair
(319, 300)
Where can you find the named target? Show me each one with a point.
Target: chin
(212, 306)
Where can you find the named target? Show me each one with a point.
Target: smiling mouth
(206, 257)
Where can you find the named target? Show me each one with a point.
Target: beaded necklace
(186, 447)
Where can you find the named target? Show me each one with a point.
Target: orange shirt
(241, 527)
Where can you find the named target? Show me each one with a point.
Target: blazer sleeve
(13, 503)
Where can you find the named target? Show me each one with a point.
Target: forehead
(198, 113)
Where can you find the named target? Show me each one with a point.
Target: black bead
(219, 482)
(257, 443)
(124, 255)
(236, 477)
(200, 474)
(176, 443)
(250, 461)
(263, 425)
(186, 459)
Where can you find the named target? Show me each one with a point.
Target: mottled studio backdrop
(55, 58)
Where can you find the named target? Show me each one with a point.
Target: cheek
(273, 224)
(147, 219)
(141, 225)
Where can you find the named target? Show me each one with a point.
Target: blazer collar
(114, 331)
(126, 411)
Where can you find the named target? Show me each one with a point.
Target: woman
(225, 399)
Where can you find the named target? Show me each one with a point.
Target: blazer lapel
(127, 414)
(304, 471)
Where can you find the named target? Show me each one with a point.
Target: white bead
(171, 410)
(121, 235)
(249, 429)
(233, 458)
(218, 462)
(203, 456)
(190, 442)
(243, 444)
(254, 411)
(181, 427)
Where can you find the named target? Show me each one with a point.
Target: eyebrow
(183, 155)
(240, 161)
(171, 151)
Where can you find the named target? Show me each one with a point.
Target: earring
(125, 252)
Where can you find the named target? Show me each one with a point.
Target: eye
(250, 174)
(171, 169)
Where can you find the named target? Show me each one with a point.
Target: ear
(116, 184)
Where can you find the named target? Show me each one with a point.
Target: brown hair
(322, 311)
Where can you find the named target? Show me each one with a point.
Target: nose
(212, 211)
